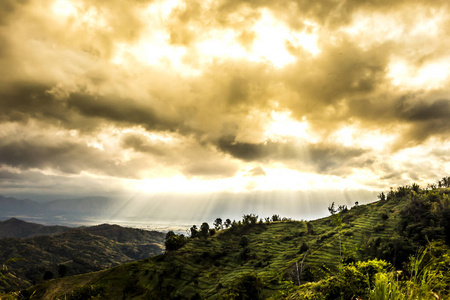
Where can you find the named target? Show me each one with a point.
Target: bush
(249, 287)
(379, 227)
(354, 280)
(244, 241)
(304, 247)
(174, 241)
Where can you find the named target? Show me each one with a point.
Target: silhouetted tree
(342, 208)
(309, 228)
(415, 187)
(337, 221)
(250, 219)
(194, 232)
(332, 209)
(227, 223)
(204, 229)
(218, 224)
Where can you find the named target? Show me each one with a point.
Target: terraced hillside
(260, 260)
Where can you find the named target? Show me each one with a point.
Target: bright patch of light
(283, 125)
(277, 178)
(156, 51)
(351, 136)
(152, 51)
(96, 145)
(345, 136)
(179, 184)
(63, 8)
(221, 44)
(269, 45)
(164, 8)
(374, 27)
(272, 36)
(363, 178)
(430, 76)
(371, 28)
(270, 41)
(307, 40)
(154, 48)
(153, 136)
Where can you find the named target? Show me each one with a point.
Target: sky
(247, 99)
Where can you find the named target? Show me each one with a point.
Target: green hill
(256, 259)
(28, 261)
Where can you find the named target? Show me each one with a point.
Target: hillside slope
(259, 261)
(29, 261)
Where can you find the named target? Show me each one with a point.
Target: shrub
(354, 280)
(174, 241)
(304, 247)
(244, 241)
(249, 286)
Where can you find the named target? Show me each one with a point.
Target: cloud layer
(227, 93)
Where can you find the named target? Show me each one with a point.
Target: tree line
(175, 241)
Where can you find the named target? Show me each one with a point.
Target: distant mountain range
(69, 208)
(32, 252)
(11, 205)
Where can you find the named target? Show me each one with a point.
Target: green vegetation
(26, 262)
(396, 248)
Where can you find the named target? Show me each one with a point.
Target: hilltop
(337, 257)
(15, 228)
(49, 253)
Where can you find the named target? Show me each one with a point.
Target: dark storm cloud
(329, 157)
(118, 109)
(322, 157)
(426, 115)
(8, 7)
(24, 100)
(422, 111)
(244, 151)
(68, 157)
(140, 144)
